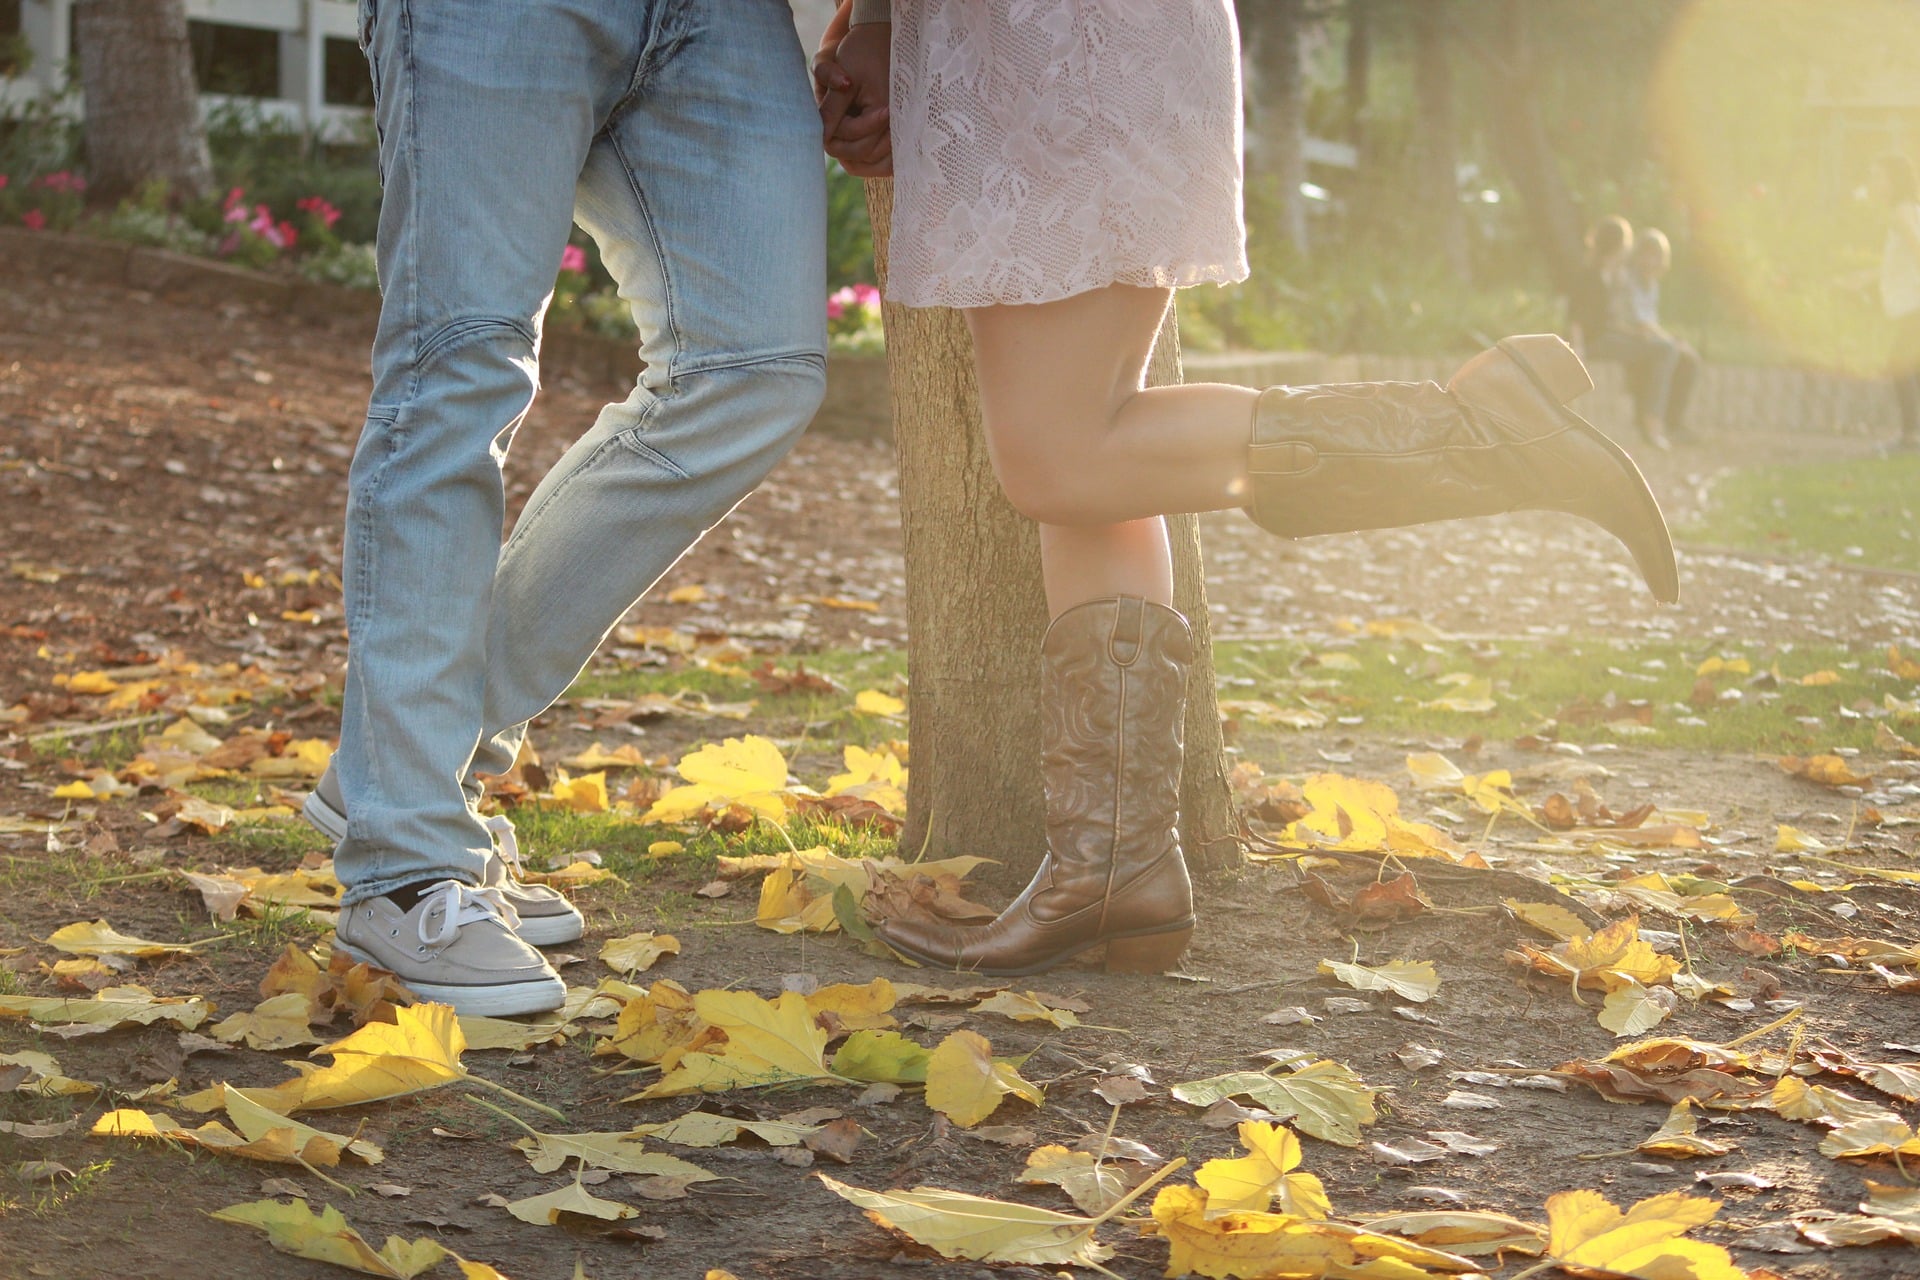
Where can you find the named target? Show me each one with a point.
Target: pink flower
(573, 258)
(866, 295)
(66, 181)
(3, 182)
(34, 220)
(289, 235)
(235, 199)
(319, 208)
(835, 308)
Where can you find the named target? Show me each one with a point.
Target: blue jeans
(681, 135)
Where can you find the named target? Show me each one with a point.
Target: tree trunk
(142, 107)
(1436, 165)
(1519, 132)
(976, 612)
(1359, 86)
(1272, 32)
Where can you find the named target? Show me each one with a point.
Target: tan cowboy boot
(1498, 437)
(1113, 699)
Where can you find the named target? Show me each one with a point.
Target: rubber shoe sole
(492, 1000)
(537, 931)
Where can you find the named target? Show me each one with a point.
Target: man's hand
(850, 80)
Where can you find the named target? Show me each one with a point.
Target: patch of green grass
(272, 929)
(623, 844)
(1565, 689)
(57, 1194)
(235, 793)
(70, 873)
(112, 750)
(275, 844)
(1861, 511)
(807, 714)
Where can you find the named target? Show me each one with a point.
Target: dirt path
(170, 478)
(155, 453)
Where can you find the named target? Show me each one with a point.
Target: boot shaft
(1113, 708)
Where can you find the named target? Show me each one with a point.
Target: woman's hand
(851, 77)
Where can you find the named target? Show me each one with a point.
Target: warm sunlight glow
(1772, 113)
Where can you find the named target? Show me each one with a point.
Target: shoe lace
(508, 843)
(461, 905)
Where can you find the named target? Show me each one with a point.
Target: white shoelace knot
(452, 906)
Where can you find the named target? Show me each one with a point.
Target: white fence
(303, 27)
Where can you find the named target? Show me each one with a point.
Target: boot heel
(1551, 363)
(1154, 953)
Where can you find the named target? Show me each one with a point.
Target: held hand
(860, 137)
(832, 87)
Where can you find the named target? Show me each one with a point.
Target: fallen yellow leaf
(1026, 1007)
(1273, 1244)
(1410, 979)
(882, 1056)
(278, 1022)
(293, 1228)
(1432, 771)
(875, 776)
(546, 1210)
(1256, 1181)
(767, 1042)
(1092, 1184)
(585, 794)
(966, 1083)
(1554, 921)
(637, 951)
(1631, 1009)
(746, 771)
(618, 1152)
(1470, 1233)
(1585, 1230)
(872, 702)
(853, 1007)
(1679, 1136)
(111, 1007)
(98, 938)
(1324, 1099)
(42, 1077)
(704, 1129)
(957, 1225)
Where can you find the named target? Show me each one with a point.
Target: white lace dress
(1042, 148)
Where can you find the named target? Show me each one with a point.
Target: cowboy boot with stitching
(1498, 437)
(1113, 699)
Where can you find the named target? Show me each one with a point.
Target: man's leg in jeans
(717, 155)
(487, 111)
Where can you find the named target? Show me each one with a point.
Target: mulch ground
(164, 468)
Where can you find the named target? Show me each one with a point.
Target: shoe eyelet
(393, 933)
(421, 950)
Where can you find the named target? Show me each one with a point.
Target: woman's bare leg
(1080, 447)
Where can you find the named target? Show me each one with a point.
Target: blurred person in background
(1894, 184)
(1609, 241)
(1661, 368)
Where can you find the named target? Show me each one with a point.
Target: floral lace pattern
(1043, 148)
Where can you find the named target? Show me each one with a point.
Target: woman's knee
(1050, 487)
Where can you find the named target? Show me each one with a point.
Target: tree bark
(976, 612)
(1359, 86)
(1518, 129)
(142, 107)
(1272, 32)
(1435, 160)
